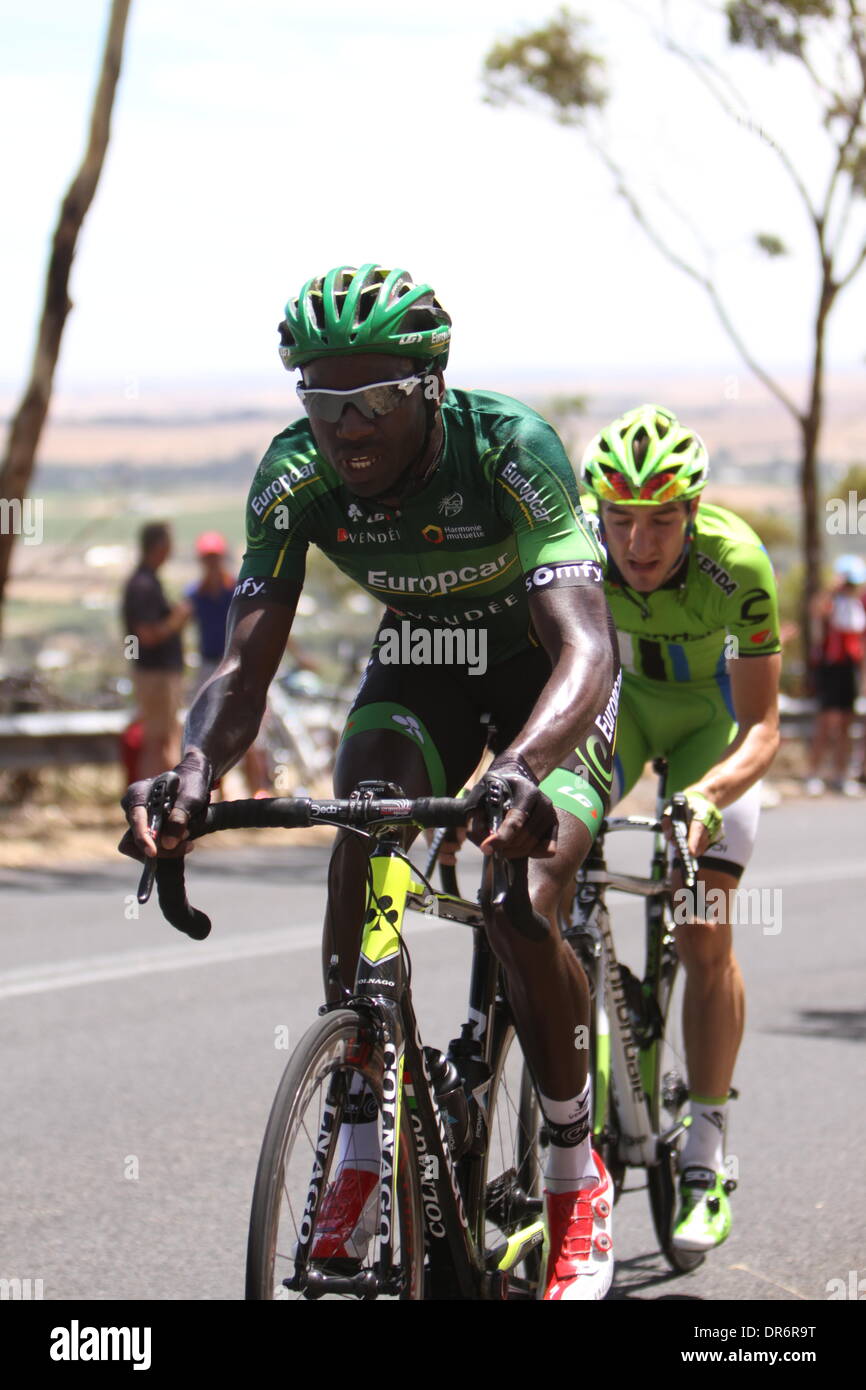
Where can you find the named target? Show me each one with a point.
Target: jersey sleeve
(536, 494)
(752, 609)
(278, 513)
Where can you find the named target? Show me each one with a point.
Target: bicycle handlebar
(362, 809)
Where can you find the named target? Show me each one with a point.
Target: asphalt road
(139, 1069)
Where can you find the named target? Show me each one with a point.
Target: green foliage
(853, 481)
(774, 26)
(549, 62)
(771, 245)
(855, 166)
(774, 530)
(560, 409)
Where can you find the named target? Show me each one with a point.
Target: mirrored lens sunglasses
(379, 398)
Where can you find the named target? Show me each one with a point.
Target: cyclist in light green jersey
(693, 597)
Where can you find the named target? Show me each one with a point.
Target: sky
(256, 145)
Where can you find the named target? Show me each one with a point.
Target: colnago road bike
(457, 1207)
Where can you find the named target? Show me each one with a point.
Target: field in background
(111, 460)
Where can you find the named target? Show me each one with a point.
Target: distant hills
(227, 430)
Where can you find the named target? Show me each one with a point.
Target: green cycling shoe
(704, 1218)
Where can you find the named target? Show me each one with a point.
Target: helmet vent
(683, 445)
(640, 445)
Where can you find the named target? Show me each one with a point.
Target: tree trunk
(811, 531)
(27, 424)
(810, 429)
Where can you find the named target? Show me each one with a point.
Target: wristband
(510, 762)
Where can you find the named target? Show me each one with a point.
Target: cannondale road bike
(636, 1044)
(457, 1207)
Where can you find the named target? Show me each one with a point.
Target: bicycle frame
(452, 1192)
(625, 1054)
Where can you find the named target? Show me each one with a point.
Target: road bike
(456, 1199)
(637, 1054)
(636, 1051)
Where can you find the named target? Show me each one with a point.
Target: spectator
(839, 660)
(157, 670)
(210, 599)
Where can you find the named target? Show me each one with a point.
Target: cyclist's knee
(705, 945)
(384, 755)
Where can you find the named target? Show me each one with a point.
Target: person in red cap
(210, 599)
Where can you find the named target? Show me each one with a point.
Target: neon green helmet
(645, 457)
(370, 309)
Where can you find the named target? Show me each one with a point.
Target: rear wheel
(297, 1164)
(669, 1102)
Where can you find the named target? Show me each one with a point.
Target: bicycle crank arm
(668, 1140)
(516, 1248)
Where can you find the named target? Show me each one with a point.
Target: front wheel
(297, 1164)
(513, 1162)
(669, 1105)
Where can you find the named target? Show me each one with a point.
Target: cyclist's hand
(530, 827)
(705, 822)
(196, 776)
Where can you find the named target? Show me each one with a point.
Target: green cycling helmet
(645, 457)
(371, 309)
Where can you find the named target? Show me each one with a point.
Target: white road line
(125, 965)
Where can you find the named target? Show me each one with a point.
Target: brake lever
(160, 801)
(498, 806)
(680, 823)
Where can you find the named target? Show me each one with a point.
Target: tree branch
(858, 265)
(698, 63)
(694, 274)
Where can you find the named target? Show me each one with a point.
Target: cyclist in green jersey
(692, 592)
(459, 511)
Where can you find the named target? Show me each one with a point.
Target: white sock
(705, 1136)
(358, 1140)
(570, 1164)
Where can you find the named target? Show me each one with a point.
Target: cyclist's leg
(396, 733)
(714, 996)
(549, 997)
(409, 725)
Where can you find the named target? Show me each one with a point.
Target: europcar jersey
(498, 518)
(720, 604)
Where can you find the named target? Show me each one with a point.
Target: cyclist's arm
(224, 720)
(225, 717)
(755, 694)
(575, 630)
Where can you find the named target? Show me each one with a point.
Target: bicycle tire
(668, 1102)
(513, 1154)
(332, 1051)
